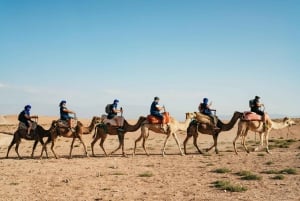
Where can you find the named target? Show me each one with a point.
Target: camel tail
(7, 133)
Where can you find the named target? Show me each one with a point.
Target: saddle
(112, 122)
(156, 120)
(251, 116)
(65, 124)
(22, 126)
(202, 118)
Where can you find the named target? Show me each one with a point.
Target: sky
(92, 52)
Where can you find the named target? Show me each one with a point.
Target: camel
(197, 127)
(173, 127)
(65, 132)
(101, 131)
(90, 128)
(38, 134)
(257, 126)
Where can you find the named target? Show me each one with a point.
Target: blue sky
(91, 52)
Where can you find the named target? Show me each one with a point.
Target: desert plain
(225, 176)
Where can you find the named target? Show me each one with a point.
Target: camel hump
(251, 116)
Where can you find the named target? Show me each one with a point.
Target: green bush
(226, 185)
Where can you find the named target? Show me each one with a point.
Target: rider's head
(205, 100)
(156, 98)
(257, 97)
(62, 102)
(27, 107)
(116, 101)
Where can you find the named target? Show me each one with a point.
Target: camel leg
(121, 144)
(83, 144)
(177, 142)
(101, 144)
(184, 143)
(234, 143)
(10, 146)
(52, 145)
(165, 143)
(261, 136)
(215, 137)
(44, 147)
(244, 141)
(17, 148)
(195, 143)
(267, 142)
(135, 142)
(97, 137)
(34, 146)
(144, 143)
(71, 148)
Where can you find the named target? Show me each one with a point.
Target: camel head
(288, 121)
(96, 119)
(190, 115)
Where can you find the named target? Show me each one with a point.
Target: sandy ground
(142, 177)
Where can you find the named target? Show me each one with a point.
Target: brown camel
(195, 127)
(90, 128)
(37, 135)
(102, 130)
(65, 132)
(173, 127)
(257, 126)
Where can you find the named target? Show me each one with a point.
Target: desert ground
(275, 176)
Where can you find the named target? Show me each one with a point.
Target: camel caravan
(158, 121)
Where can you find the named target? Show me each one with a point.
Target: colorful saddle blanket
(156, 120)
(251, 116)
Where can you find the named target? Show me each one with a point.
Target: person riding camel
(113, 112)
(255, 106)
(64, 114)
(25, 118)
(155, 110)
(204, 108)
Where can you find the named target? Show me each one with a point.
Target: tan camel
(173, 127)
(37, 135)
(65, 132)
(90, 128)
(196, 127)
(101, 131)
(257, 126)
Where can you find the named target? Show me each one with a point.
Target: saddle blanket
(65, 124)
(23, 126)
(156, 120)
(251, 116)
(113, 121)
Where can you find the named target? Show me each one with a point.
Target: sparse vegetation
(288, 171)
(269, 163)
(284, 171)
(246, 175)
(278, 177)
(146, 174)
(281, 143)
(221, 170)
(117, 173)
(226, 185)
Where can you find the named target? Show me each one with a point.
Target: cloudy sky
(91, 52)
